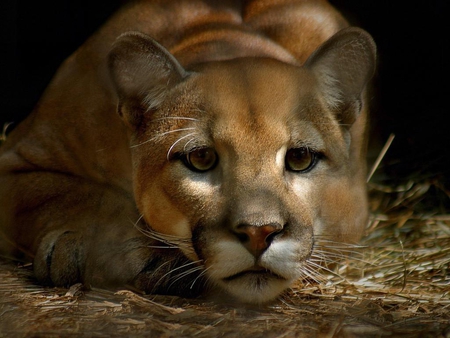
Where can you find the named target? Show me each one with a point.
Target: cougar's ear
(343, 65)
(142, 71)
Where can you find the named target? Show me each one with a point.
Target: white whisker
(160, 135)
(173, 145)
(135, 224)
(200, 275)
(312, 275)
(174, 118)
(165, 238)
(317, 266)
(185, 146)
(336, 258)
(320, 240)
(175, 269)
(184, 274)
(160, 267)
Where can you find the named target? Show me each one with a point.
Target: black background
(411, 88)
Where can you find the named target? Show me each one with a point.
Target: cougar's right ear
(343, 66)
(142, 71)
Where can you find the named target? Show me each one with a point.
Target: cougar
(195, 147)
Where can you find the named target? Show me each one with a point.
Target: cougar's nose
(257, 238)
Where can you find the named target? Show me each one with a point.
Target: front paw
(65, 258)
(59, 258)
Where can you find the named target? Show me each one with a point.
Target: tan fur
(93, 185)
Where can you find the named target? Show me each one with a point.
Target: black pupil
(299, 159)
(202, 159)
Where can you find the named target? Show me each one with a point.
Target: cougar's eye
(300, 159)
(202, 159)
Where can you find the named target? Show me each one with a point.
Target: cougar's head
(252, 162)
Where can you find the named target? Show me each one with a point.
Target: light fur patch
(301, 186)
(229, 258)
(283, 258)
(280, 157)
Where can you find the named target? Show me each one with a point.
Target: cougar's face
(247, 165)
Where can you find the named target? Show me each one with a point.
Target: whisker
(322, 241)
(317, 266)
(325, 258)
(135, 224)
(338, 259)
(153, 235)
(162, 247)
(175, 269)
(200, 275)
(165, 238)
(339, 250)
(160, 267)
(314, 273)
(172, 240)
(341, 254)
(310, 274)
(174, 118)
(331, 249)
(184, 274)
(160, 135)
(173, 145)
(167, 241)
(154, 272)
(185, 146)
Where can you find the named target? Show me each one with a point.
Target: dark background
(411, 88)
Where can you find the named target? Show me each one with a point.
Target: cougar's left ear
(142, 71)
(343, 65)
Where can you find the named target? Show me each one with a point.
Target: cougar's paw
(57, 261)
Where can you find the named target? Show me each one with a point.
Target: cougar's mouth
(255, 271)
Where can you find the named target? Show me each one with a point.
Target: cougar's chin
(254, 287)
(255, 280)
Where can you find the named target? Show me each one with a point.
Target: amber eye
(202, 159)
(300, 159)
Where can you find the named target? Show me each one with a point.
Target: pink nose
(257, 239)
